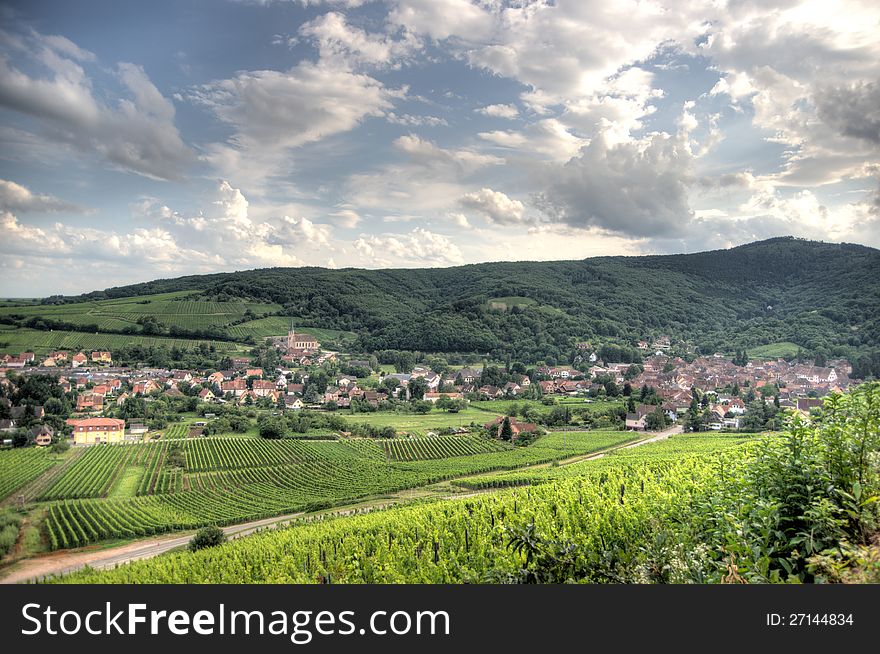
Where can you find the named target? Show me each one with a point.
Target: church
(301, 342)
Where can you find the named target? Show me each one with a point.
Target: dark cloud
(852, 110)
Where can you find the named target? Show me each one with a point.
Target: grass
(421, 423)
(278, 326)
(508, 302)
(774, 350)
(127, 483)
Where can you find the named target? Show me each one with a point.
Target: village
(315, 379)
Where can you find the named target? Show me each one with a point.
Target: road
(64, 562)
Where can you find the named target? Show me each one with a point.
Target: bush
(207, 537)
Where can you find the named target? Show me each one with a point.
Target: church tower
(291, 338)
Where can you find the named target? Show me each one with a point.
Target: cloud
(853, 110)
(639, 189)
(548, 138)
(442, 19)
(496, 206)
(426, 153)
(419, 247)
(416, 121)
(138, 134)
(508, 111)
(15, 197)
(337, 40)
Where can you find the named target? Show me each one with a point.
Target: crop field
(41, 342)
(671, 449)
(186, 483)
(422, 423)
(452, 541)
(169, 310)
(18, 467)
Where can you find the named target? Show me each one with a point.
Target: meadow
(422, 423)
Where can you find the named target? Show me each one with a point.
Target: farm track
(64, 562)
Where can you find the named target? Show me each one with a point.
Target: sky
(157, 139)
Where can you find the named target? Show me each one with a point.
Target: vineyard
(18, 467)
(453, 541)
(42, 342)
(677, 511)
(180, 484)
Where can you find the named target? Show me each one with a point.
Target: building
(98, 430)
(301, 341)
(42, 435)
(516, 427)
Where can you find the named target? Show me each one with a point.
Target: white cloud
(419, 247)
(16, 197)
(508, 111)
(496, 206)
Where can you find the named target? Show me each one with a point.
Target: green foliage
(207, 537)
(774, 291)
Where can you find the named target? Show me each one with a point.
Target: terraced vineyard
(18, 467)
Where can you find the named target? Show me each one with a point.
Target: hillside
(822, 297)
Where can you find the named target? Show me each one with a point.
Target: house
(466, 376)
(42, 435)
(491, 392)
(98, 430)
(49, 362)
(182, 376)
(240, 362)
(137, 429)
(293, 403)
(145, 387)
(263, 387)
(237, 387)
(806, 404)
(254, 372)
(122, 398)
(89, 402)
(516, 426)
(295, 389)
(205, 395)
(511, 388)
(434, 397)
(638, 421)
(101, 357)
(78, 359)
(216, 377)
(345, 380)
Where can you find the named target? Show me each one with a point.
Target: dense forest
(823, 297)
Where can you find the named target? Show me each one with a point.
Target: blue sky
(146, 140)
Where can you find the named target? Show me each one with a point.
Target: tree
(272, 428)
(657, 419)
(207, 537)
(506, 430)
(417, 388)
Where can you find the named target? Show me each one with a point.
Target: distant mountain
(824, 297)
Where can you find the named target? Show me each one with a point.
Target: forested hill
(824, 297)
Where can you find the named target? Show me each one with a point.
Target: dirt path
(65, 562)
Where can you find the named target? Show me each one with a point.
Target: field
(18, 467)
(42, 342)
(505, 303)
(170, 310)
(422, 423)
(774, 350)
(128, 490)
(503, 406)
(464, 540)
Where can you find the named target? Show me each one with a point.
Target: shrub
(207, 537)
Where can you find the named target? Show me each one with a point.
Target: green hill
(822, 297)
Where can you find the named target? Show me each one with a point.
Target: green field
(456, 541)
(503, 406)
(43, 342)
(505, 303)
(774, 350)
(421, 423)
